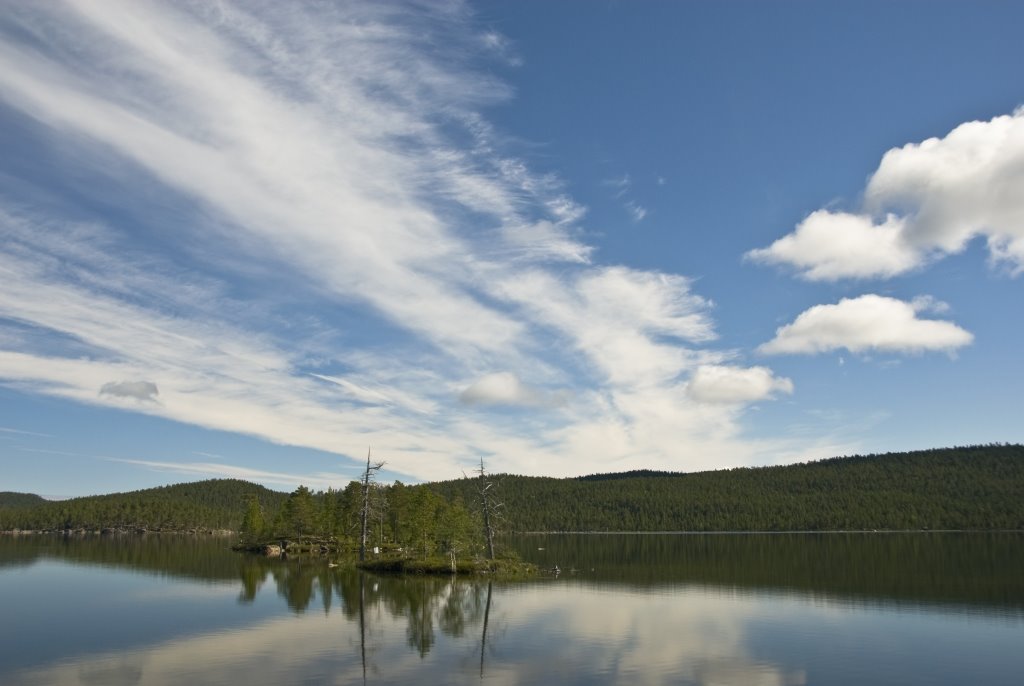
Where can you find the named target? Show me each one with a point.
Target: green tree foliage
(253, 523)
(301, 514)
(976, 487)
(12, 499)
(212, 504)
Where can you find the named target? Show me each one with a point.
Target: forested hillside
(977, 487)
(11, 499)
(213, 504)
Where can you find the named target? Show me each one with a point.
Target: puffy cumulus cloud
(869, 322)
(505, 388)
(136, 390)
(827, 246)
(969, 183)
(935, 196)
(728, 384)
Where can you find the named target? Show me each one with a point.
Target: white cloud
(621, 189)
(619, 185)
(214, 470)
(969, 183)
(867, 323)
(636, 212)
(619, 318)
(234, 144)
(926, 303)
(19, 432)
(727, 384)
(505, 388)
(137, 390)
(338, 149)
(827, 246)
(935, 195)
(543, 241)
(374, 394)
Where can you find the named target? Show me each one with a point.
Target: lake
(751, 609)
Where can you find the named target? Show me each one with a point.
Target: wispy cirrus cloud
(622, 187)
(637, 212)
(136, 390)
(321, 242)
(215, 470)
(20, 432)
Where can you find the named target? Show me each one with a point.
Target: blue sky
(254, 240)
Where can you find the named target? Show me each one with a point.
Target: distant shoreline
(107, 531)
(227, 532)
(773, 532)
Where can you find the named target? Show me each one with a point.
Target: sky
(259, 240)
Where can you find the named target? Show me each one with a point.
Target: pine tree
(253, 522)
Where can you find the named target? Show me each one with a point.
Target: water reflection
(688, 610)
(973, 571)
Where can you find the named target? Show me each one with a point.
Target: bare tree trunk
(364, 513)
(486, 505)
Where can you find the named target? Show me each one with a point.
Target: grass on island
(504, 568)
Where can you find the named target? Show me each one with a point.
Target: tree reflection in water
(453, 606)
(679, 609)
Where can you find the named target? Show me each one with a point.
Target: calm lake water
(761, 610)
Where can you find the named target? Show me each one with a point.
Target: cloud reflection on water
(568, 633)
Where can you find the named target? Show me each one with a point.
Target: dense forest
(414, 518)
(214, 504)
(11, 499)
(977, 487)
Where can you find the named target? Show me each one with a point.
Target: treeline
(414, 519)
(975, 487)
(12, 499)
(213, 504)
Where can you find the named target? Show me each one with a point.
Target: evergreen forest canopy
(11, 499)
(976, 487)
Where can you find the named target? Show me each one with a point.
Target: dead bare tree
(364, 513)
(489, 508)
